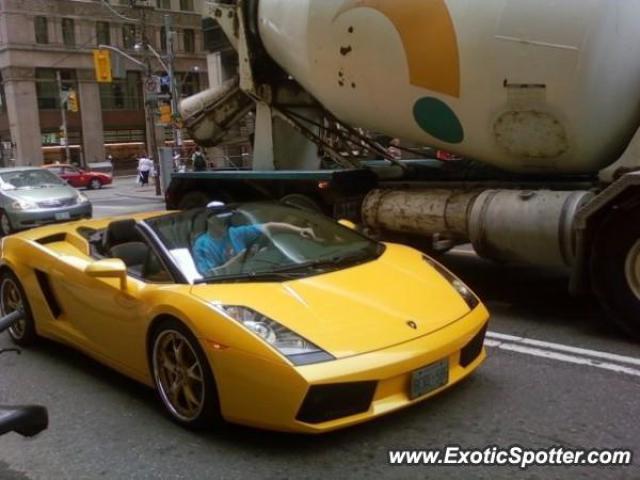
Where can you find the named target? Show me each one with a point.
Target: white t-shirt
(145, 164)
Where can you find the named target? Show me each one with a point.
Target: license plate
(62, 216)
(429, 378)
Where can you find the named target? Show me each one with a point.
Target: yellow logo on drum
(431, 47)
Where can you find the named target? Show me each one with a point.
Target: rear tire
(183, 379)
(615, 269)
(12, 298)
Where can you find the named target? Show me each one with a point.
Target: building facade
(47, 46)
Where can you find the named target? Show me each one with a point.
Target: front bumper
(269, 395)
(24, 219)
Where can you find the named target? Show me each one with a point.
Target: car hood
(41, 194)
(355, 310)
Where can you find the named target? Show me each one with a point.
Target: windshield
(26, 179)
(258, 241)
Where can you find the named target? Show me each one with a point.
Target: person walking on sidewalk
(199, 160)
(145, 165)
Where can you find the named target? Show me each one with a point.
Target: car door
(74, 177)
(109, 321)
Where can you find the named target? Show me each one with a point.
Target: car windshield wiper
(252, 276)
(337, 261)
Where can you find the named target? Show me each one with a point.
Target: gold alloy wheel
(632, 269)
(178, 375)
(10, 301)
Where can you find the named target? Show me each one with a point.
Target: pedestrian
(199, 160)
(145, 165)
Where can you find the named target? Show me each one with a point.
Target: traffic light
(102, 64)
(72, 101)
(165, 114)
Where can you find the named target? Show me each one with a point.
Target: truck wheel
(194, 200)
(297, 200)
(615, 269)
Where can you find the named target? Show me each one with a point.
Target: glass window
(163, 39)
(47, 88)
(103, 33)
(122, 94)
(68, 32)
(188, 82)
(165, 4)
(42, 30)
(128, 36)
(189, 40)
(25, 179)
(3, 99)
(259, 241)
(186, 5)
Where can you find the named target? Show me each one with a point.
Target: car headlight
(465, 292)
(81, 198)
(18, 204)
(297, 349)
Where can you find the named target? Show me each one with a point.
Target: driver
(222, 244)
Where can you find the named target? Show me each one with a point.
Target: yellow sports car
(258, 314)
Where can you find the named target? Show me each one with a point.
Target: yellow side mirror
(348, 223)
(110, 268)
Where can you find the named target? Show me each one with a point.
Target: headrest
(121, 231)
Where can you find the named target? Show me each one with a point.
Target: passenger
(223, 245)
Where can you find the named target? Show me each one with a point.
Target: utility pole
(171, 57)
(63, 113)
(150, 105)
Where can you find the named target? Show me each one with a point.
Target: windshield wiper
(252, 276)
(336, 261)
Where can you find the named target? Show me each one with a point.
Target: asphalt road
(537, 390)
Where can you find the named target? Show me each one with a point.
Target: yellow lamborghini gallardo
(258, 314)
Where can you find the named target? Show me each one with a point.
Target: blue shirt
(210, 252)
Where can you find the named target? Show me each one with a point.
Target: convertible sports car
(257, 314)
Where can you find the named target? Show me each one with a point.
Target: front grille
(329, 402)
(57, 202)
(472, 349)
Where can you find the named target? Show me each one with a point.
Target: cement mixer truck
(542, 97)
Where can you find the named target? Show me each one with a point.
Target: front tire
(12, 298)
(5, 224)
(182, 376)
(95, 184)
(615, 269)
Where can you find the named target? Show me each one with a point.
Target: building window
(42, 30)
(122, 94)
(128, 36)
(213, 38)
(47, 88)
(164, 4)
(68, 32)
(189, 83)
(103, 33)
(163, 39)
(189, 40)
(186, 5)
(3, 99)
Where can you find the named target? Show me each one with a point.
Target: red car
(79, 178)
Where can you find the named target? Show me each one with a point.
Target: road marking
(564, 348)
(563, 353)
(469, 253)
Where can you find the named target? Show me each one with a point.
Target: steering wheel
(253, 248)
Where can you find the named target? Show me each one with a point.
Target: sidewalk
(127, 187)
